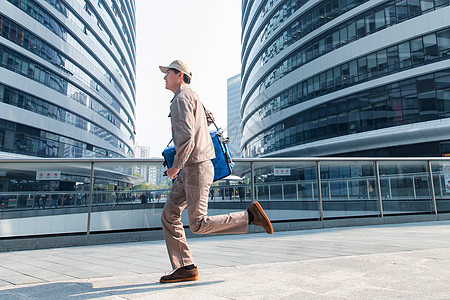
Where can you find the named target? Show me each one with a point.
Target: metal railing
(310, 188)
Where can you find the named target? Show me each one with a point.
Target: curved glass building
(345, 78)
(67, 78)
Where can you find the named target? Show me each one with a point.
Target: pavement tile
(19, 279)
(4, 283)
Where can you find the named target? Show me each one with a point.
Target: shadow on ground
(86, 290)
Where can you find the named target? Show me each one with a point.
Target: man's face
(173, 80)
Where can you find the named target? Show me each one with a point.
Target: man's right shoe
(180, 274)
(260, 218)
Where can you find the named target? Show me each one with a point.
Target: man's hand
(172, 173)
(209, 116)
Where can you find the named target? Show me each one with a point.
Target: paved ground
(408, 261)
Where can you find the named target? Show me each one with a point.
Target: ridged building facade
(234, 114)
(345, 78)
(67, 78)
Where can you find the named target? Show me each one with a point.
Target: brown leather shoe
(260, 218)
(180, 274)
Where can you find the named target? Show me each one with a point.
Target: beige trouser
(191, 190)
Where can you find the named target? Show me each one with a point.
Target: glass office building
(234, 114)
(345, 78)
(67, 78)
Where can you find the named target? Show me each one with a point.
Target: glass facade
(414, 100)
(318, 92)
(234, 114)
(359, 26)
(51, 44)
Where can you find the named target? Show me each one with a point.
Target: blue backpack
(223, 163)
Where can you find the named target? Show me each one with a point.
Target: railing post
(368, 189)
(348, 191)
(329, 189)
(319, 191)
(245, 193)
(252, 173)
(282, 192)
(433, 195)
(91, 189)
(390, 189)
(378, 186)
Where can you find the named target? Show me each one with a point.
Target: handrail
(237, 160)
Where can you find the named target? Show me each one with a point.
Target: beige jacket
(190, 134)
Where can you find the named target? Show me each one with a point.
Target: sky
(206, 34)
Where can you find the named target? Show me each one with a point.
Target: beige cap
(177, 65)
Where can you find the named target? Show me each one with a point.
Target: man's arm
(183, 123)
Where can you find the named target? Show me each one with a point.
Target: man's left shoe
(180, 274)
